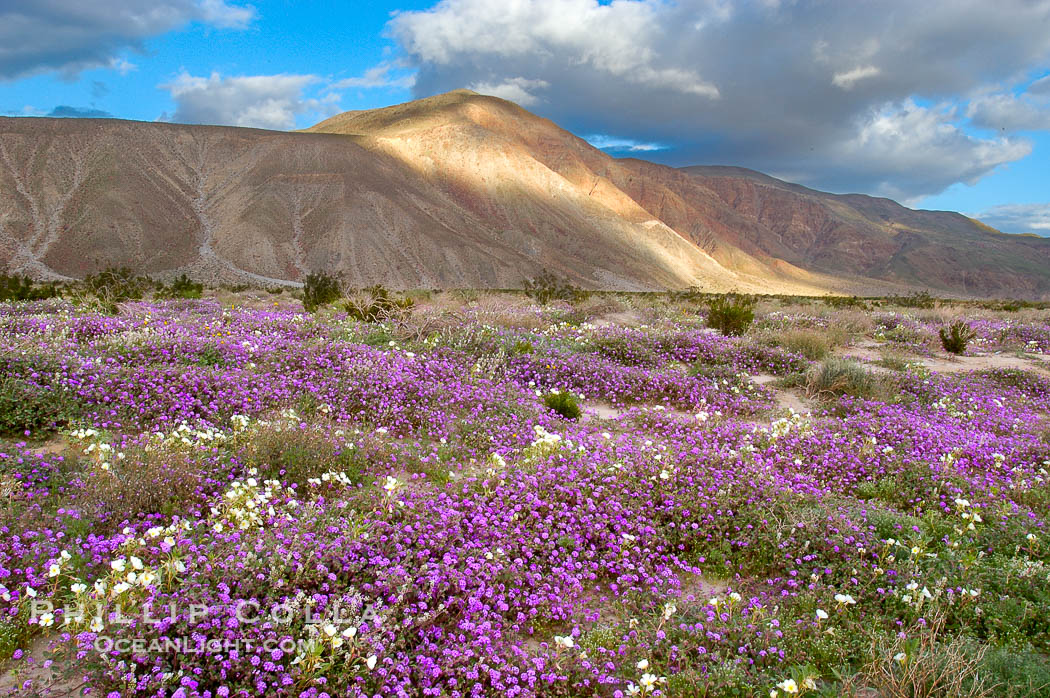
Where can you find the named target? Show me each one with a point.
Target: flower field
(231, 497)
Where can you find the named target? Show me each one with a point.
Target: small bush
(919, 299)
(547, 287)
(376, 304)
(836, 377)
(296, 455)
(956, 337)
(811, 344)
(626, 350)
(521, 347)
(211, 356)
(320, 289)
(846, 302)
(690, 296)
(145, 483)
(731, 314)
(1017, 673)
(894, 362)
(182, 287)
(925, 664)
(564, 403)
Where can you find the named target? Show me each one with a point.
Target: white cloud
(1008, 112)
(383, 75)
(1019, 218)
(218, 13)
(725, 81)
(515, 90)
(258, 101)
(847, 79)
(69, 36)
(909, 151)
(615, 40)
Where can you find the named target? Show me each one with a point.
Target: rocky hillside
(461, 190)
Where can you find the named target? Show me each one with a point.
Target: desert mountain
(460, 190)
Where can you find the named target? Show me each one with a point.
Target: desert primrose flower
(565, 641)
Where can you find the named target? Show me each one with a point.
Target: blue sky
(943, 104)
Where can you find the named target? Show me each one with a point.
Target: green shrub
(690, 296)
(320, 289)
(919, 299)
(625, 350)
(731, 314)
(182, 287)
(1017, 674)
(376, 304)
(211, 355)
(547, 287)
(956, 336)
(22, 288)
(521, 347)
(846, 302)
(564, 403)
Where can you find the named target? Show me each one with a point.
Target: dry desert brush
(376, 304)
(548, 287)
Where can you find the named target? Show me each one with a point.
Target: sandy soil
(984, 362)
(626, 318)
(786, 399)
(39, 671)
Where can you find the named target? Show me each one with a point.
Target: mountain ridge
(462, 190)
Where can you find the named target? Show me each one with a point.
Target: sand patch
(983, 362)
(786, 399)
(35, 672)
(625, 318)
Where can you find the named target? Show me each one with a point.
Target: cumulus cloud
(69, 36)
(259, 101)
(613, 40)
(907, 151)
(517, 90)
(1009, 112)
(1019, 218)
(724, 81)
